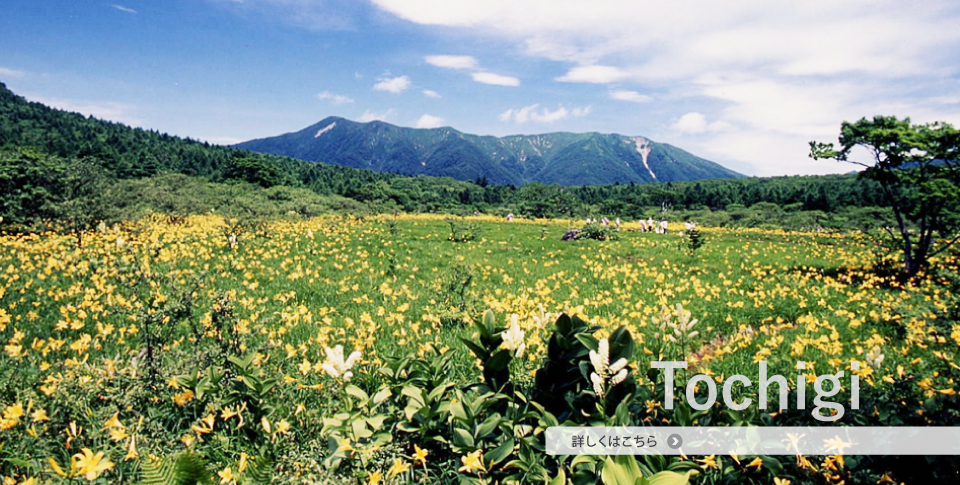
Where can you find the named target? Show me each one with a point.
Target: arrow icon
(674, 441)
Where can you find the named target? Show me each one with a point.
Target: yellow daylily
(91, 465)
(420, 454)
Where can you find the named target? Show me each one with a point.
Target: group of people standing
(604, 221)
(650, 225)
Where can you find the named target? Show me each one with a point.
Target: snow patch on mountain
(643, 148)
(325, 129)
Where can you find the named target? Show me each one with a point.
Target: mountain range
(561, 158)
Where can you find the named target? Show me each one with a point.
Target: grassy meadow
(175, 346)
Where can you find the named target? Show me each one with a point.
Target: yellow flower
(182, 398)
(188, 440)
(836, 444)
(113, 422)
(472, 462)
(420, 454)
(305, 367)
(206, 424)
(375, 478)
(780, 481)
(39, 415)
(755, 463)
(132, 450)
(13, 412)
(399, 466)
(90, 465)
(709, 462)
(118, 434)
(226, 476)
(282, 427)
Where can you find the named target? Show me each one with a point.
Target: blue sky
(745, 83)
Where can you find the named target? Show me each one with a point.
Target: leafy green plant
(597, 232)
(462, 230)
(184, 469)
(692, 241)
(359, 429)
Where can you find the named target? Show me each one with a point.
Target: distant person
(510, 217)
(690, 225)
(618, 224)
(589, 220)
(605, 221)
(643, 225)
(663, 226)
(650, 225)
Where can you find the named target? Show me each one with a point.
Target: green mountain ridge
(552, 158)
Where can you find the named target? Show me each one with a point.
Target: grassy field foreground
(174, 344)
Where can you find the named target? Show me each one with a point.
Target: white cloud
(469, 63)
(783, 72)
(8, 73)
(336, 99)
(625, 95)
(593, 74)
(393, 85)
(123, 9)
(371, 116)
(452, 62)
(545, 115)
(694, 123)
(428, 121)
(496, 79)
(104, 110)
(431, 93)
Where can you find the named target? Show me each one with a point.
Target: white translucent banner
(758, 440)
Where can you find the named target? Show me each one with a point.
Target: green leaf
(376, 422)
(500, 360)
(439, 390)
(360, 430)
(620, 470)
(382, 395)
(462, 438)
(477, 350)
(457, 409)
(560, 479)
(589, 341)
(671, 478)
(488, 426)
(415, 394)
(499, 453)
(356, 392)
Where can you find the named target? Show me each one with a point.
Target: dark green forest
(49, 157)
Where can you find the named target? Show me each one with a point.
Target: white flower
(601, 376)
(336, 367)
(597, 384)
(875, 357)
(120, 242)
(618, 377)
(663, 321)
(683, 325)
(513, 337)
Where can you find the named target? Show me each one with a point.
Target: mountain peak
(561, 157)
